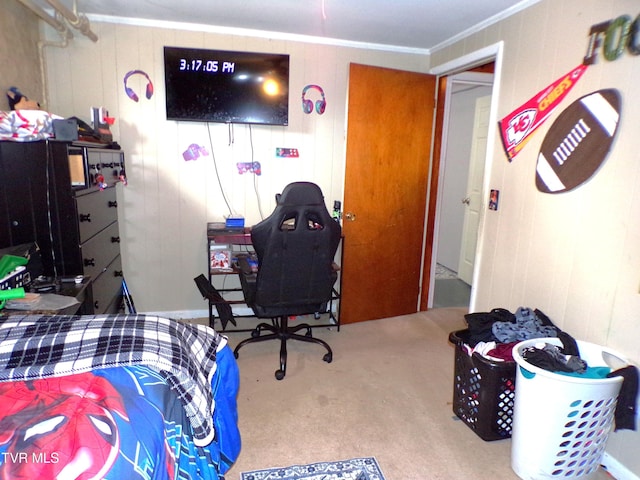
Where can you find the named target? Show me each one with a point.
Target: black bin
(483, 391)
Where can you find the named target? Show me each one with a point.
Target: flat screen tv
(227, 87)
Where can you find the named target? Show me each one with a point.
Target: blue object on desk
(234, 222)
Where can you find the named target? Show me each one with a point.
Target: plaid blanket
(40, 346)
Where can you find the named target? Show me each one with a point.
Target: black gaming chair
(295, 247)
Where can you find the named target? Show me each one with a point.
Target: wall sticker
(249, 167)
(194, 151)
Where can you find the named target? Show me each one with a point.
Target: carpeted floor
(387, 394)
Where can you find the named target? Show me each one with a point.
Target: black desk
(81, 292)
(241, 240)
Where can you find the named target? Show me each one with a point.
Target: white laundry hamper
(561, 423)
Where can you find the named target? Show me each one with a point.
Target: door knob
(350, 216)
(466, 200)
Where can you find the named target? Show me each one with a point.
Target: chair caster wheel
(255, 333)
(279, 374)
(328, 357)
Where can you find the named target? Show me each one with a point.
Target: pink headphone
(307, 105)
(129, 91)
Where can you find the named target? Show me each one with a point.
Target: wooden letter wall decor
(618, 34)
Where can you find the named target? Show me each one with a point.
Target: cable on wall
(232, 134)
(215, 165)
(255, 177)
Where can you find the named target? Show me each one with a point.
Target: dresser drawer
(110, 163)
(107, 286)
(96, 210)
(100, 250)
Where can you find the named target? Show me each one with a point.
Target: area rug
(354, 469)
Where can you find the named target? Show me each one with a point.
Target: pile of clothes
(494, 334)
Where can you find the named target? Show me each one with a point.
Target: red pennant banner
(516, 127)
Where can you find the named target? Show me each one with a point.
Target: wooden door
(388, 150)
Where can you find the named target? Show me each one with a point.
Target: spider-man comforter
(115, 397)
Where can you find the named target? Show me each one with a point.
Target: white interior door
(473, 200)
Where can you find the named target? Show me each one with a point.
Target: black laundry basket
(483, 391)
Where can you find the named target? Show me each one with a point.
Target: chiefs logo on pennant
(520, 125)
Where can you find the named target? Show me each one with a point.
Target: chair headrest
(301, 193)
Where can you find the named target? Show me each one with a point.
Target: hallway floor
(449, 290)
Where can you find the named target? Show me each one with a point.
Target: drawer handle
(96, 305)
(113, 204)
(89, 262)
(118, 273)
(85, 217)
(115, 239)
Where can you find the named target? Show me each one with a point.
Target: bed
(26, 125)
(115, 397)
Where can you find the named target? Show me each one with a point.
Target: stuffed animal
(19, 101)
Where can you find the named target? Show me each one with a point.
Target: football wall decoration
(578, 141)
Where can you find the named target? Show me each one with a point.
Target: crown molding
(195, 27)
(484, 24)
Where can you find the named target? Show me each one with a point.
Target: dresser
(64, 198)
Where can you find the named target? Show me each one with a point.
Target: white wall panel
(168, 200)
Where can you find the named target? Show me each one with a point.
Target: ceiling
(396, 24)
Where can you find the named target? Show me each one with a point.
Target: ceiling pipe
(79, 22)
(43, 68)
(60, 26)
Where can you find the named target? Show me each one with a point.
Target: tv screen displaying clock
(226, 87)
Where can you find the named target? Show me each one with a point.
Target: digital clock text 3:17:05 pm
(212, 66)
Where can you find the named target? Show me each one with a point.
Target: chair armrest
(248, 279)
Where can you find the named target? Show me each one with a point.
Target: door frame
(465, 79)
(487, 54)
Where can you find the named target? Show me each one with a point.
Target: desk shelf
(239, 243)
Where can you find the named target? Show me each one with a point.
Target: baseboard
(193, 314)
(616, 469)
(181, 314)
